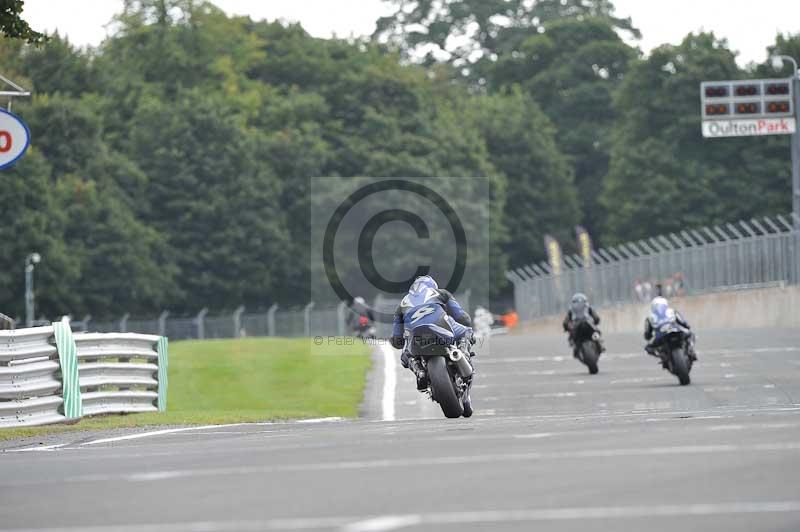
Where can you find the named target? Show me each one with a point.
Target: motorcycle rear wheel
(442, 386)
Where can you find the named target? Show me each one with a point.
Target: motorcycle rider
(579, 307)
(360, 316)
(660, 312)
(424, 288)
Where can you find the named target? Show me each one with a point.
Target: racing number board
(746, 108)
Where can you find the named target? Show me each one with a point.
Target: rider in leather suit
(425, 288)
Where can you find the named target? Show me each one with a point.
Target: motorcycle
(365, 329)
(587, 343)
(449, 369)
(673, 349)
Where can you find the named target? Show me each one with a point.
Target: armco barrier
(50, 375)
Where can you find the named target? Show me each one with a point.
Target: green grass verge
(249, 379)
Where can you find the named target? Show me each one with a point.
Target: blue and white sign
(14, 138)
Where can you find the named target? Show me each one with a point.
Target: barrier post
(163, 372)
(68, 358)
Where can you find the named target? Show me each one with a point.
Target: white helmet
(659, 309)
(659, 303)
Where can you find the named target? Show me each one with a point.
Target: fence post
(199, 322)
(713, 271)
(85, 323)
(793, 272)
(792, 251)
(740, 252)
(597, 276)
(522, 306)
(237, 321)
(307, 319)
(753, 266)
(162, 323)
(607, 276)
(764, 258)
(698, 269)
(341, 315)
(123, 322)
(679, 264)
(534, 288)
(791, 255)
(271, 319)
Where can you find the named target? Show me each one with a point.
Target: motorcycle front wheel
(442, 386)
(680, 366)
(590, 356)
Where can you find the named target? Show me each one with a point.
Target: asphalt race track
(549, 448)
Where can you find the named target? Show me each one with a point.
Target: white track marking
(534, 436)
(381, 524)
(140, 435)
(620, 512)
(431, 520)
(37, 448)
(432, 461)
(389, 383)
(319, 420)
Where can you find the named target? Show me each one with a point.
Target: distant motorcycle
(365, 329)
(673, 349)
(448, 367)
(587, 340)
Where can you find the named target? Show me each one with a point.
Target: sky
(750, 26)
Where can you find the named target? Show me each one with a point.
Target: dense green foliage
(170, 166)
(13, 25)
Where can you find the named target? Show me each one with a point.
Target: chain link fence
(306, 321)
(746, 254)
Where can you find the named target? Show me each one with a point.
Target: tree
(540, 194)
(14, 26)
(58, 68)
(216, 198)
(572, 69)
(485, 29)
(125, 266)
(663, 175)
(33, 221)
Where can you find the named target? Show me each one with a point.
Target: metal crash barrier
(50, 375)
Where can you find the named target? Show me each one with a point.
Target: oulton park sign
(749, 128)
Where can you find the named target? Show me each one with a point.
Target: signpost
(756, 107)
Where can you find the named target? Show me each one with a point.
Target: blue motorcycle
(673, 346)
(430, 339)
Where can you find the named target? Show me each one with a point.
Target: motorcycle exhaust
(461, 362)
